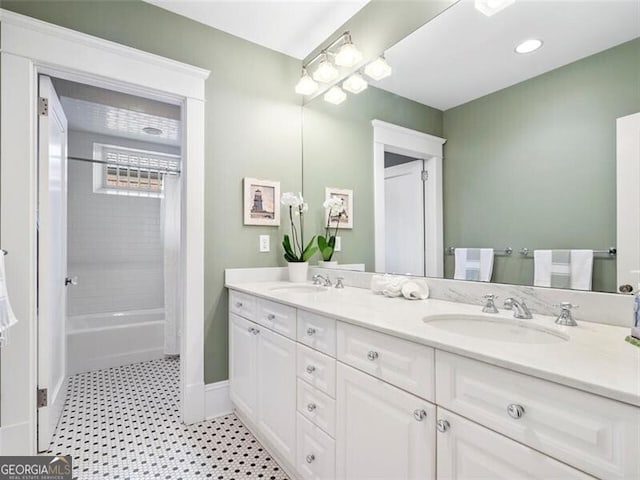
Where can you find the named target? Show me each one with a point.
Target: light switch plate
(338, 246)
(265, 243)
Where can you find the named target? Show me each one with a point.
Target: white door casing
(52, 260)
(31, 47)
(404, 141)
(404, 219)
(628, 199)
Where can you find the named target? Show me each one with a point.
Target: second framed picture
(261, 202)
(346, 216)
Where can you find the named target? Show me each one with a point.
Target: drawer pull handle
(255, 331)
(419, 414)
(443, 425)
(311, 407)
(271, 316)
(310, 458)
(239, 304)
(311, 331)
(311, 369)
(372, 355)
(515, 411)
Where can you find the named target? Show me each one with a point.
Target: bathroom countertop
(595, 358)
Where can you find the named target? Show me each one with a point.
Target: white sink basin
(300, 288)
(495, 328)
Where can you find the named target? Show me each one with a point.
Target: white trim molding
(404, 141)
(31, 47)
(216, 399)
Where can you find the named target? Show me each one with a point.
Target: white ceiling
(462, 55)
(293, 27)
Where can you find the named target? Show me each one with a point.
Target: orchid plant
(295, 249)
(327, 243)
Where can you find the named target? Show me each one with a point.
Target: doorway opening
(109, 244)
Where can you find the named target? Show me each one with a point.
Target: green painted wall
(534, 165)
(252, 129)
(338, 152)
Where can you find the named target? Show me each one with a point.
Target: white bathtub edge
(216, 399)
(111, 361)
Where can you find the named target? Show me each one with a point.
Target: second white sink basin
(495, 328)
(300, 288)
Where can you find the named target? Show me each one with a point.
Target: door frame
(31, 47)
(388, 137)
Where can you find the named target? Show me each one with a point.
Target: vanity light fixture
(335, 95)
(528, 46)
(325, 72)
(347, 55)
(491, 7)
(355, 83)
(378, 69)
(306, 85)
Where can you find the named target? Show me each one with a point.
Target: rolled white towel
(415, 290)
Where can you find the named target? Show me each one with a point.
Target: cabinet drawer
(405, 364)
(468, 451)
(317, 332)
(242, 304)
(316, 452)
(279, 318)
(319, 408)
(597, 435)
(317, 369)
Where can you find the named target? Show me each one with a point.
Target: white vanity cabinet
(381, 431)
(243, 351)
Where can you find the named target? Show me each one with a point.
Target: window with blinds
(128, 171)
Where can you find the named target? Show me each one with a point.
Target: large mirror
(518, 150)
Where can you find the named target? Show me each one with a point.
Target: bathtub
(104, 340)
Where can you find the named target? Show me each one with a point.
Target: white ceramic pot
(328, 263)
(298, 271)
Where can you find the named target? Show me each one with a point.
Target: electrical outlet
(264, 243)
(338, 246)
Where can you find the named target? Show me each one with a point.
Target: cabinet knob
(310, 458)
(372, 355)
(271, 316)
(515, 411)
(311, 369)
(239, 304)
(311, 407)
(419, 414)
(311, 331)
(443, 425)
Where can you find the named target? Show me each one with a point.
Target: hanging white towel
(563, 269)
(7, 317)
(474, 264)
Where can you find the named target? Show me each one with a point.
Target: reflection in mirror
(529, 152)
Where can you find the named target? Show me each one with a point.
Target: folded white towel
(7, 318)
(415, 290)
(394, 286)
(563, 269)
(474, 264)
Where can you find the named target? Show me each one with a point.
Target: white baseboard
(16, 439)
(193, 398)
(216, 399)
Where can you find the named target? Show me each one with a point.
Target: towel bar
(611, 251)
(505, 251)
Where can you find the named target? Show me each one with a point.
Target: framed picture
(261, 202)
(346, 217)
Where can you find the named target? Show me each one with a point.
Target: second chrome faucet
(520, 309)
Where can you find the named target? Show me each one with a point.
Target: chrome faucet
(566, 318)
(489, 304)
(320, 279)
(520, 309)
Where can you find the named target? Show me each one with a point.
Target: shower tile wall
(114, 242)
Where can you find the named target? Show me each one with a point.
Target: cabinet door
(467, 450)
(242, 364)
(277, 391)
(382, 432)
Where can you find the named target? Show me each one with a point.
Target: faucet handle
(339, 283)
(508, 303)
(489, 296)
(566, 305)
(489, 305)
(565, 317)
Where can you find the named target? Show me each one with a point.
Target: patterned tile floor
(124, 423)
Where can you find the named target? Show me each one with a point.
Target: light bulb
(491, 7)
(335, 95)
(306, 85)
(529, 46)
(348, 55)
(355, 83)
(325, 72)
(378, 69)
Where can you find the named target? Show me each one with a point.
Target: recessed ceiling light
(528, 46)
(491, 7)
(152, 131)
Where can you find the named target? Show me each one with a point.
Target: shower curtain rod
(166, 171)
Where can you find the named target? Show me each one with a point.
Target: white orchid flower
(335, 206)
(290, 199)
